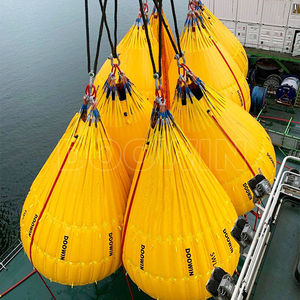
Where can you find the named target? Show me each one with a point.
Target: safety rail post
(262, 242)
(259, 114)
(288, 127)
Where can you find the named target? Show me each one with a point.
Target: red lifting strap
(88, 92)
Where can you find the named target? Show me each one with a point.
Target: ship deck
(276, 279)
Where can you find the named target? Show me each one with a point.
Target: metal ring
(177, 57)
(112, 59)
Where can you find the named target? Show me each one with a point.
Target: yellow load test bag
(135, 60)
(167, 49)
(178, 218)
(232, 143)
(225, 37)
(72, 217)
(125, 115)
(212, 63)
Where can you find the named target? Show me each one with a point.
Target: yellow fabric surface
(208, 63)
(180, 219)
(77, 240)
(135, 61)
(127, 123)
(226, 38)
(218, 152)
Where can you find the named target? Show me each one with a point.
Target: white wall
(264, 24)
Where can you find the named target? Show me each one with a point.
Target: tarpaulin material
(212, 63)
(178, 218)
(231, 142)
(72, 218)
(225, 37)
(125, 114)
(135, 60)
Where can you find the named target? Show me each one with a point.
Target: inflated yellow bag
(232, 143)
(135, 60)
(178, 218)
(125, 114)
(72, 217)
(210, 60)
(225, 37)
(167, 49)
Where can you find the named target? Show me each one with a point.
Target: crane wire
(87, 30)
(166, 27)
(113, 45)
(147, 36)
(99, 39)
(176, 28)
(149, 42)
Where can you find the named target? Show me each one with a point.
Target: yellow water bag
(210, 60)
(135, 60)
(168, 53)
(232, 143)
(72, 217)
(178, 218)
(125, 114)
(225, 37)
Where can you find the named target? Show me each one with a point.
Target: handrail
(10, 256)
(253, 258)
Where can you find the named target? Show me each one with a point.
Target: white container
(226, 9)
(241, 32)
(272, 38)
(296, 50)
(252, 35)
(264, 24)
(289, 40)
(249, 11)
(275, 12)
(294, 15)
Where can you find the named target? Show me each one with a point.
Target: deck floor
(276, 278)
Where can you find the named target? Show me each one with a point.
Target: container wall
(264, 24)
(294, 15)
(249, 11)
(275, 12)
(272, 38)
(226, 9)
(296, 50)
(252, 35)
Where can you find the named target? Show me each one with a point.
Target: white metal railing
(10, 256)
(259, 244)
